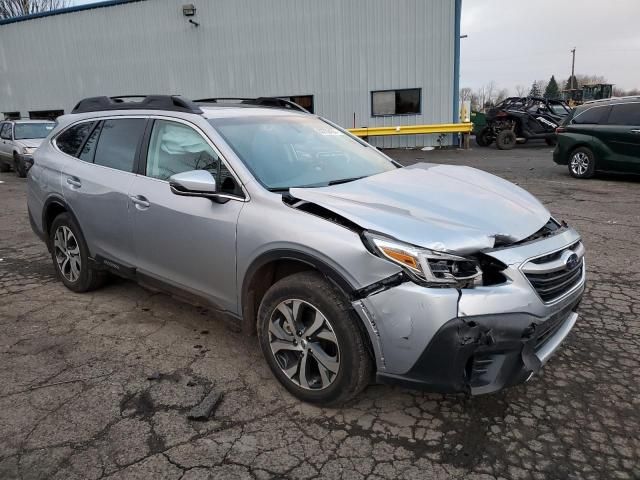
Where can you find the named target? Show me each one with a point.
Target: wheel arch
(54, 206)
(274, 265)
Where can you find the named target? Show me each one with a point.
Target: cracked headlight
(426, 266)
(28, 150)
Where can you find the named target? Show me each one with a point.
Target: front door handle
(140, 202)
(74, 182)
(637, 130)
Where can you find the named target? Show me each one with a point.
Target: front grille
(555, 284)
(554, 274)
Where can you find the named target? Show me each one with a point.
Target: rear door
(187, 242)
(96, 185)
(623, 137)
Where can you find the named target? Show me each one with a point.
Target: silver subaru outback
(349, 268)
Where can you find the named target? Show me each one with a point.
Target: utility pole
(573, 66)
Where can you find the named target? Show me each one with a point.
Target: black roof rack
(273, 102)
(174, 103)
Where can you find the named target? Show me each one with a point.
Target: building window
(45, 114)
(396, 102)
(305, 101)
(12, 115)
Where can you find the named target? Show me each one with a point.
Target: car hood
(29, 142)
(440, 207)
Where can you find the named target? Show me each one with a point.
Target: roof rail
(627, 97)
(273, 102)
(174, 103)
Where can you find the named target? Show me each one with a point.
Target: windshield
(299, 151)
(559, 109)
(23, 131)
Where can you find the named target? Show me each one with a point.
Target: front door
(6, 145)
(188, 242)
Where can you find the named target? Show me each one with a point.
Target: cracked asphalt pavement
(99, 385)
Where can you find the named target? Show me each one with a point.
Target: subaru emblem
(572, 261)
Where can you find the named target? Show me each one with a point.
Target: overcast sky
(517, 42)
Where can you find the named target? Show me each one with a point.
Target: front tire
(4, 167)
(483, 138)
(582, 163)
(311, 340)
(506, 140)
(70, 256)
(19, 166)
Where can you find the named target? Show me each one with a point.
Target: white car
(18, 140)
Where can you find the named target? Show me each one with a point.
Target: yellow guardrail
(412, 129)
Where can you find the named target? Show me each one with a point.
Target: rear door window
(625, 114)
(118, 143)
(71, 139)
(593, 116)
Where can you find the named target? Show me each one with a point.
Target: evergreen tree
(552, 91)
(535, 90)
(572, 82)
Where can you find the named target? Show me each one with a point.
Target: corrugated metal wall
(336, 50)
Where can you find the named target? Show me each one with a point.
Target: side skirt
(232, 320)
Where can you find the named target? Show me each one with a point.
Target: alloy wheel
(67, 253)
(304, 344)
(580, 163)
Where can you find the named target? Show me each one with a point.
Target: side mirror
(195, 183)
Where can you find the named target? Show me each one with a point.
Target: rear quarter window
(71, 139)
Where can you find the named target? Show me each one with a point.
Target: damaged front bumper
(483, 339)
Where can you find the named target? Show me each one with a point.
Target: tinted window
(118, 143)
(593, 115)
(176, 148)
(89, 148)
(625, 114)
(395, 102)
(70, 140)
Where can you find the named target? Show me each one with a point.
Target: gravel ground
(99, 385)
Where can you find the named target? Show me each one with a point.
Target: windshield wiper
(345, 180)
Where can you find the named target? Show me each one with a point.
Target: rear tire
(550, 141)
(303, 321)
(582, 163)
(483, 138)
(19, 166)
(506, 140)
(70, 256)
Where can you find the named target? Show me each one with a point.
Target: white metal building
(356, 62)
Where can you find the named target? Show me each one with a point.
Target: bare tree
(521, 91)
(490, 91)
(465, 94)
(619, 92)
(502, 94)
(18, 8)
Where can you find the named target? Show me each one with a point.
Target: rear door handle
(74, 182)
(637, 130)
(140, 202)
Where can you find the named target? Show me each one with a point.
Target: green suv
(603, 135)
